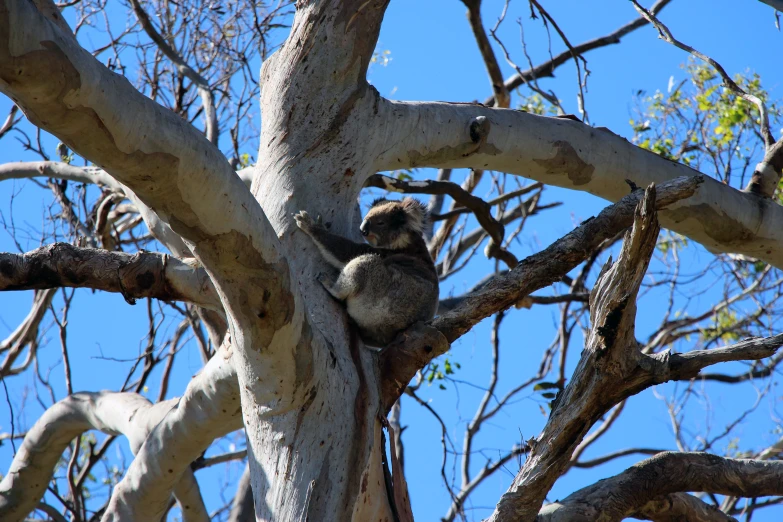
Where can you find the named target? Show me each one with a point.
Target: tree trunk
(318, 456)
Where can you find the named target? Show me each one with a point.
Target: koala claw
(324, 279)
(306, 222)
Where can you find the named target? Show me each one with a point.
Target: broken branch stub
(600, 379)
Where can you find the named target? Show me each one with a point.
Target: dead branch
(480, 208)
(144, 274)
(421, 343)
(638, 490)
(547, 69)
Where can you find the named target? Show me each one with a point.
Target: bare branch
(26, 334)
(480, 208)
(208, 409)
(204, 89)
(547, 69)
(615, 455)
(668, 366)
(164, 160)
(599, 379)
(144, 274)
(113, 413)
(58, 170)
(421, 343)
(632, 491)
(501, 95)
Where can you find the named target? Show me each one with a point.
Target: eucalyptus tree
(281, 358)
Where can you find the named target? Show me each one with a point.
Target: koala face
(384, 227)
(391, 224)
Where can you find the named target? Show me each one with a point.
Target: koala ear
(416, 212)
(378, 201)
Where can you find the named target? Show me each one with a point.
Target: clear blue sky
(434, 57)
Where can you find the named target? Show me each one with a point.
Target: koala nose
(364, 228)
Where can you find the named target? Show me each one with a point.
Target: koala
(389, 284)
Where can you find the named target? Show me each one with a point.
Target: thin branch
(204, 90)
(501, 95)
(547, 69)
(480, 208)
(492, 202)
(26, 334)
(10, 121)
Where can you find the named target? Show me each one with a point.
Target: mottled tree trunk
(317, 456)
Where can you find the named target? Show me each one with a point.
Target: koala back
(394, 293)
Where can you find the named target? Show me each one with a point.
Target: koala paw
(305, 222)
(325, 279)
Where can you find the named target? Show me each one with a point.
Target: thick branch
(572, 155)
(144, 274)
(631, 492)
(112, 413)
(598, 380)
(208, 409)
(675, 507)
(612, 368)
(164, 160)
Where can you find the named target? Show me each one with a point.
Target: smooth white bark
(208, 409)
(128, 414)
(569, 154)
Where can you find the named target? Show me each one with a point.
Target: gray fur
(389, 286)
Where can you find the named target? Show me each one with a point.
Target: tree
(281, 359)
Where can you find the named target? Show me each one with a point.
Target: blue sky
(434, 57)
